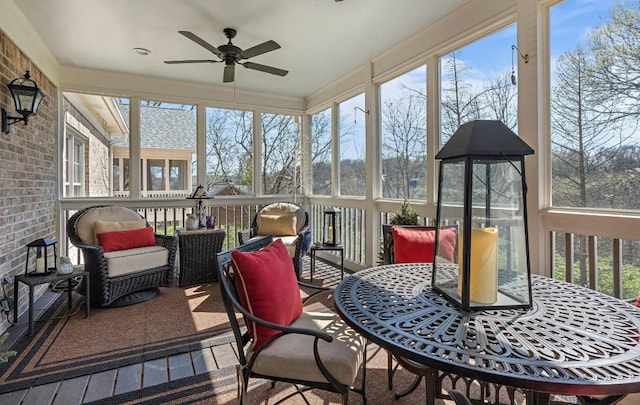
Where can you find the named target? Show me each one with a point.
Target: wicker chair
(134, 281)
(297, 240)
(331, 346)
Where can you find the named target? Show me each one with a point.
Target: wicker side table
(198, 250)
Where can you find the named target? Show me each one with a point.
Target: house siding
(28, 164)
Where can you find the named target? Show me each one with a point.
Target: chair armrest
(244, 235)
(318, 290)
(285, 329)
(167, 241)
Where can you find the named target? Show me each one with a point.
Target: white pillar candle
(484, 265)
(40, 265)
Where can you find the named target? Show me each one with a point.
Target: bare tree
(228, 147)
(321, 152)
(280, 154)
(404, 146)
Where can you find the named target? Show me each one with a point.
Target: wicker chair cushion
(267, 287)
(85, 224)
(127, 239)
(112, 226)
(283, 208)
(277, 225)
(417, 245)
(122, 262)
(292, 355)
(288, 241)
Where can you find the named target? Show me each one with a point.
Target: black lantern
(200, 194)
(26, 97)
(481, 189)
(332, 227)
(39, 249)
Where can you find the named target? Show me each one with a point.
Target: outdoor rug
(178, 320)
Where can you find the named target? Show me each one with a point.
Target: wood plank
(100, 385)
(203, 361)
(13, 398)
(154, 372)
(72, 391)
(129, 379)
(180, 366)
(225, 355)
(41, 394)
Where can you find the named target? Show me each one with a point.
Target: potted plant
(406, 215)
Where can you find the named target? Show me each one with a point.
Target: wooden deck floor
(103, 385)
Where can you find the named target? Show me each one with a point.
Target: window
(321, 152)
(475, 86)
(352, 146)
(280, 154)
(229, 153)
(167, 134)
(87, 150)
(74, 161)
(404, 135)
(595, 141)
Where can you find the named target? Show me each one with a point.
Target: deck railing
(600, 251)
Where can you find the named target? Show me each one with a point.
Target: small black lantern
(40, 249)
(482, 189)
(26, 97)
(332, 234)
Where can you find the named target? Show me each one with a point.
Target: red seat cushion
(417, 245)
(129, 239)
(267, 287)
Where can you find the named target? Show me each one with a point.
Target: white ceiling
(321, 40)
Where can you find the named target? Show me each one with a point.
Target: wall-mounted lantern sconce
(26, 96)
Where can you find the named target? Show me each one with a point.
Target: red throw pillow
(417, 245)
(268, 288)
(129, 239)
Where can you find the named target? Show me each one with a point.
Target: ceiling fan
(232, 55)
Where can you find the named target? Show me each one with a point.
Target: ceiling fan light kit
(232, 55)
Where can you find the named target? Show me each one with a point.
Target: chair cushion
(292, 355)
(417, 245)
(277, 225)
(123, 262)
(109, 226)
(289, 242)
(284, 208)
(267, 287)
(113, 213)
(129, 239)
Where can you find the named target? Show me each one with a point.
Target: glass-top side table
(317, 247)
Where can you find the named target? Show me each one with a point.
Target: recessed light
(141, 51)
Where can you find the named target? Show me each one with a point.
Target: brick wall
(28, 156)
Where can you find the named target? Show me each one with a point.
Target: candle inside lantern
(483, 280)
(39, 262)
(330, 235)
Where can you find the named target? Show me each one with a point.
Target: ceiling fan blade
(175, 62)
(202, 42)
(265, 68)
(229, 73)
(259, 50)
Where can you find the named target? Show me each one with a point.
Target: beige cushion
(277, 225)
(289, 242)
(291, 356)
(128, 261)
(84, 224)
(111, 226)
(283, 208)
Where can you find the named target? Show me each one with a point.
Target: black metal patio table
(573, 341)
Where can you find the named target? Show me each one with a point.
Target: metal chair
(275, 360)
